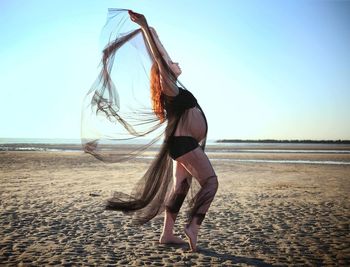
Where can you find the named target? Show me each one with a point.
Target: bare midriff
(192, 123)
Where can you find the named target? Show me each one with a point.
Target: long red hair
(156, 92)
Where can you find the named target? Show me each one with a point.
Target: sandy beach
(264, 214)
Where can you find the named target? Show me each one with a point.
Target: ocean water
(38, 141)
(213, 149)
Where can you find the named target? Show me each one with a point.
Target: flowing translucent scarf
(118, 109)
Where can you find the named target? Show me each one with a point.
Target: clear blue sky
(273, 69)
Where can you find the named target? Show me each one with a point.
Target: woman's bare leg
(182, 181)
(198, 165)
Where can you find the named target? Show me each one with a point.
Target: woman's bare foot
(191, 234)
(171, 239)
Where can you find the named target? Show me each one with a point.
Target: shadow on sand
(234, 259)
(221, 257)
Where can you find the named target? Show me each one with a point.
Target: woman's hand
(138, 18)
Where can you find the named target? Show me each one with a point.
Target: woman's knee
(182, 185)
(213, 183)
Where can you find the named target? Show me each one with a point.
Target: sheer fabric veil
(118, 108)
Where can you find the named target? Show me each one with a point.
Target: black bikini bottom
(180, 145)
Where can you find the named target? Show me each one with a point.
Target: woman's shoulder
(180, 91)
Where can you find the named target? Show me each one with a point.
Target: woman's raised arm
(158, 51)
(160, 46)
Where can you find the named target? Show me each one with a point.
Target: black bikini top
(176, 105)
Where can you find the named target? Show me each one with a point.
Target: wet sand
(52, 212)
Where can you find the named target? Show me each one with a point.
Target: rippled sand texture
(264, 214)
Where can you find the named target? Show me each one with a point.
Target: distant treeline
(284, 141)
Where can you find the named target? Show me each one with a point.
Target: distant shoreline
(75, 144)
(283, 141)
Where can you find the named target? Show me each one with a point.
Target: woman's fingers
(136, 17)
(132, 15)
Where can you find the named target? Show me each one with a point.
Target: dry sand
(264, 214)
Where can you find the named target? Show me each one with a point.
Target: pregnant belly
(192, 124)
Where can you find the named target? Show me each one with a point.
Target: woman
(183, 145)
